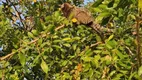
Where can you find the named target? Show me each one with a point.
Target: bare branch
(138, 42)
(18, 13)
(92, 45)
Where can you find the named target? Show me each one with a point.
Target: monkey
(82, 15)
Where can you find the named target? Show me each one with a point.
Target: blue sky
(85, 1)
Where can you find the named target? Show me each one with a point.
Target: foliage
(39, 43)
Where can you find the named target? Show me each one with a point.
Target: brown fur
(82, 15)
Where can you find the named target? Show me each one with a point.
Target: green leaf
(40, 41)
(103, 6)
(66, 39)
(121, 56)
(109, 46)
(96, 60)
(100, 47)
(112, 73)
(90, 73)
(66, 76)
(86, 59)
(87, 66)
(35, 32)
(44, 44)
(74, 46)
(110, 37)
(116, 3)
(78, 50)
(44, 66)
(118, 77)
(106, 52)
(67, 45)
(22, 58)
(97, 51)
(38, 24)
(97, 2)
(64, 62)
(88, 52)
(132, 75)
(50, 49)
(4, 63)
(57, 14)
(97, 10)
(140, 5)
(55, 36)
(76, 38)
(1, 73)
(140, 71)
(98, 38)
(30, 35)
(102, 15)
(36, 60)
(56, 41)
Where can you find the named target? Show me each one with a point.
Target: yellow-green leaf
(44, 66)
(110, 37)
(30, 35)
(140, 71)
(66, 39)
(67, 45)
(35, 32)
(140, 4)
(22, 58)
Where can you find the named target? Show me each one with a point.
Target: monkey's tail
(100, 30)
(94, 26)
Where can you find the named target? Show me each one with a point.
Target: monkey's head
(66, 9)
(66, 6)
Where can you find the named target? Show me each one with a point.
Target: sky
(85, 1)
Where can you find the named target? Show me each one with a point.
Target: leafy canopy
(39, 43)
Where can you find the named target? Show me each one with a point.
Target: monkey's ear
(62, 6)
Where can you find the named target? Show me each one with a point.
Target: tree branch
(33, 41)
(138, 42)
(18, 13)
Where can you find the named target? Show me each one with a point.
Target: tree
(40, 43)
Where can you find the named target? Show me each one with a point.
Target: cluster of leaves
(57, 49)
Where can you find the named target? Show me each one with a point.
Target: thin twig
(17, 12)
(9, 55)
(130, 51)
(92, 45)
